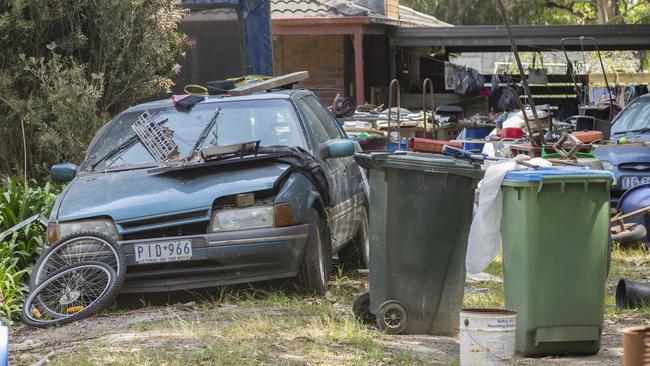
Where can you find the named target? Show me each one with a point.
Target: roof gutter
(320, 21)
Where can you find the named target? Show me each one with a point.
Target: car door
(346, 185)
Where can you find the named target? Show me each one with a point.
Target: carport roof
(488, 38)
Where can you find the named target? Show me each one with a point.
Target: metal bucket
(487, 336)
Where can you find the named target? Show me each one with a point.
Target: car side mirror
(63, 172)
(337, 149)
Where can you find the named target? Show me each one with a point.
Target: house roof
(300, 9)
(292, 9)
(417, 19)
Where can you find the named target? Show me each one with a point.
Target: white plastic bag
(485, 233)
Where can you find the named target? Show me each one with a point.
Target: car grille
(635, 167)
(176, 222)
(198, 228)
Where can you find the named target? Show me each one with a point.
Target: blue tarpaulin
(256, 18)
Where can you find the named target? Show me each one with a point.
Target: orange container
(636, 346)
(588, 136)
(431, 146)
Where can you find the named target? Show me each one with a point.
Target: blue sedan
(280, 204)
(629, 160)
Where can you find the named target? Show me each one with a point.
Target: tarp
(256, 19)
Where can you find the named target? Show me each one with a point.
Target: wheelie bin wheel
(361, 309)
(392, 317)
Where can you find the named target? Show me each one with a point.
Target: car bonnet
(135, 194)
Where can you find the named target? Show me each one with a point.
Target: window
(328, 121)
(271, 121)
(313, 122)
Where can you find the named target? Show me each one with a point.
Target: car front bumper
(220, 259)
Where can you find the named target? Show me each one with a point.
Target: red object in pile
(512, 133)
(588, 136)
(418, 144)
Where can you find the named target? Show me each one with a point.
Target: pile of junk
(543, 202)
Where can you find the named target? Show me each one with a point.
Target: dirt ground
(278, 327)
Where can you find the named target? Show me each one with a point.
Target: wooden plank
(271, 83)
(552, 78)
(621, 78)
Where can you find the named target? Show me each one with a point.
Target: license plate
(631, 182)
(163, 251)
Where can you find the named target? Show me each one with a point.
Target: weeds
(19, 251)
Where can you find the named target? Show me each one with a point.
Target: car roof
(279, 94)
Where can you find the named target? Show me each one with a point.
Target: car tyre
(632, 233)
(356, 253)
(361, 309)
(316, 266)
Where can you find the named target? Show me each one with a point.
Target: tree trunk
(606, 10)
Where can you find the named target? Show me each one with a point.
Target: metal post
(524, 81)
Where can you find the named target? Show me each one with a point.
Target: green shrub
(67, 66)
(19, 251)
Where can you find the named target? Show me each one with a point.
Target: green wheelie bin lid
(419, 161)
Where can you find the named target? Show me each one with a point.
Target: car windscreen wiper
(119, 148)
(204, 133)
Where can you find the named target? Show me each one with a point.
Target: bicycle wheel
(79, 248)
(75, 292)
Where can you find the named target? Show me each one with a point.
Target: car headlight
(256, 217)
(608, 165)
(56, 231)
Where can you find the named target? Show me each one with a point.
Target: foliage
(475, 12)
(19, 251)
(67, 65)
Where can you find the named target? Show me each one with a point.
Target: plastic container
(555, 229)
(420, 214)
(536, 152)
(474, 133)
(487, 337)
(431, 146)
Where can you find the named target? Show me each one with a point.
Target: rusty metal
(394, 84)
(636, 346)
(428, 82)
(619, 217)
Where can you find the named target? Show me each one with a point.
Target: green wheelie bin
(555, 235)
(420, 214)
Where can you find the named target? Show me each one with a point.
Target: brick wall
(322, 56)
(391, 8)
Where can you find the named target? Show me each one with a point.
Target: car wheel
(356, 253)
(316, 266)
(631, 233)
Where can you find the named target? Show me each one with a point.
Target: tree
(475, 12)
(67, 65)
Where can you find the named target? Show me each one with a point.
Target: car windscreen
(272, 121)
(636, 117)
